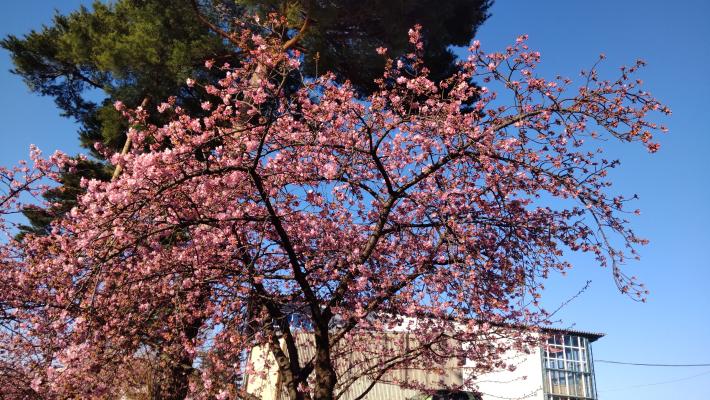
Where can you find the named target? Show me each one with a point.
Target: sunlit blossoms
(446, 203)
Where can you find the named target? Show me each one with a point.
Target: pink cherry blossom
(435, 209)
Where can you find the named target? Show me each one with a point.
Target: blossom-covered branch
(448, 203)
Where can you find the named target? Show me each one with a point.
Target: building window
(568, 370)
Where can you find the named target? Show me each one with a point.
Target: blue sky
(674, 325)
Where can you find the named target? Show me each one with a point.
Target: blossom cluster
(448, 202)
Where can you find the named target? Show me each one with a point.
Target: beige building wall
(265, 381)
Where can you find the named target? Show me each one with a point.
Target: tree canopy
(128, 50)
(137, 50)
(365, 215)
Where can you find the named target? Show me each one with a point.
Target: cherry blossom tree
(433, 209)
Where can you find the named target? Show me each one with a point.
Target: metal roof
(592, 336)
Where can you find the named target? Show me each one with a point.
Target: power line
(655, 383)
(651, 364)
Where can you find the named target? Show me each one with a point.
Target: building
(561, 370)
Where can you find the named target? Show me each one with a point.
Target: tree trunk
(324, 369)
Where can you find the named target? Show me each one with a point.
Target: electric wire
(655, 383)
(651, 364)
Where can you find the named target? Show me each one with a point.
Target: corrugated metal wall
(359, 362)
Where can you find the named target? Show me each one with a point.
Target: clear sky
(673, 185)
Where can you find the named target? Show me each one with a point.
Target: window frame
(584, 370)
